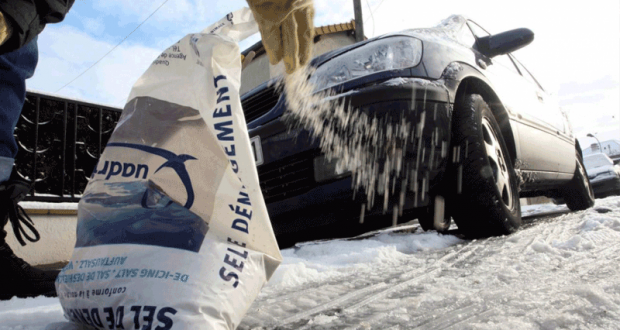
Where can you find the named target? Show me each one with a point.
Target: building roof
(318, 31)
(606, 142)
(610, 147)
(327, 29)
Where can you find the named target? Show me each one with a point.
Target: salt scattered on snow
(328, 260)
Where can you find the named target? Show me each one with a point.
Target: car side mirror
(505, 42)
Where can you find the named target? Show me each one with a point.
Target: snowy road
(560, 271)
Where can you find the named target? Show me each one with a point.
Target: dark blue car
(487, 133)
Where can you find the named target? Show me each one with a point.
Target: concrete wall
(56, 243)
(58, 234)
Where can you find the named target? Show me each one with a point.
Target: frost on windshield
(452, 23)
(446, 31)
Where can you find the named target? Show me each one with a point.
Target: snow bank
(328, 260)
(29, 314)
(528, 210)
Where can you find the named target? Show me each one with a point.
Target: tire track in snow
(451, 289)
(548, 228)
(351, 302)
(454, 317)
(336, 303)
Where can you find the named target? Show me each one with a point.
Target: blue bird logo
(176, 162)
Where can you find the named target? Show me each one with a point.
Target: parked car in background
(603, 174)
(486, 133)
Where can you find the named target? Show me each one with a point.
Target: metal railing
(59, 143)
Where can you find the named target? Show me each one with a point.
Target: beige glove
(287, 29)
(5, 29)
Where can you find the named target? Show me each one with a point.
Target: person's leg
(19, 278)
(15, 68)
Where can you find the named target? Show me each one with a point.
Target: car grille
(260, 103)
(286, 178)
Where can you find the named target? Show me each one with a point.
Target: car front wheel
(487, 196)
(434, 216)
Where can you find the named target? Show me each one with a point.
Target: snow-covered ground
(557, 272)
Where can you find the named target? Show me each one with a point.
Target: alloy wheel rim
(498, 163)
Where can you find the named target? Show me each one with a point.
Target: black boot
(18, 277)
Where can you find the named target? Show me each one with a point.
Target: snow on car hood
(444, 32)
(592, 172)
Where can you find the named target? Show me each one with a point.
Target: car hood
(592, 172)
(445, 33)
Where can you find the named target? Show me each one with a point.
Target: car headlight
(328, 170)
(391, 53)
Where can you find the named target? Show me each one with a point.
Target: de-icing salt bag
(173, 232)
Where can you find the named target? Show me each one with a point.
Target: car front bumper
(296, 202)
(606, 187)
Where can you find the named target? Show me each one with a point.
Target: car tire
(427, 218)
(486, 201)
(578, 193)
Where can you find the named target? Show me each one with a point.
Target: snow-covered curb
(48, 206)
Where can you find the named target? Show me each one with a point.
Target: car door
(537, 134)
(552, 114)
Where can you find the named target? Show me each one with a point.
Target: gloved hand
(5, 29)
(287, 29)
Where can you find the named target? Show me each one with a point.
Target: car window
(595, 161)
(526, 74)
(505, 62)
(478, 30)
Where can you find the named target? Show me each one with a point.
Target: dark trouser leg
(15, 68)
(19, 278)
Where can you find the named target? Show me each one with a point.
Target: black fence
(60, 141)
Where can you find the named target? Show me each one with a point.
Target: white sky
(575, 53)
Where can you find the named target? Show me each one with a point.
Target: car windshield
(595, 161)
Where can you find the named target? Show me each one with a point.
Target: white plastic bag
(173, 231)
